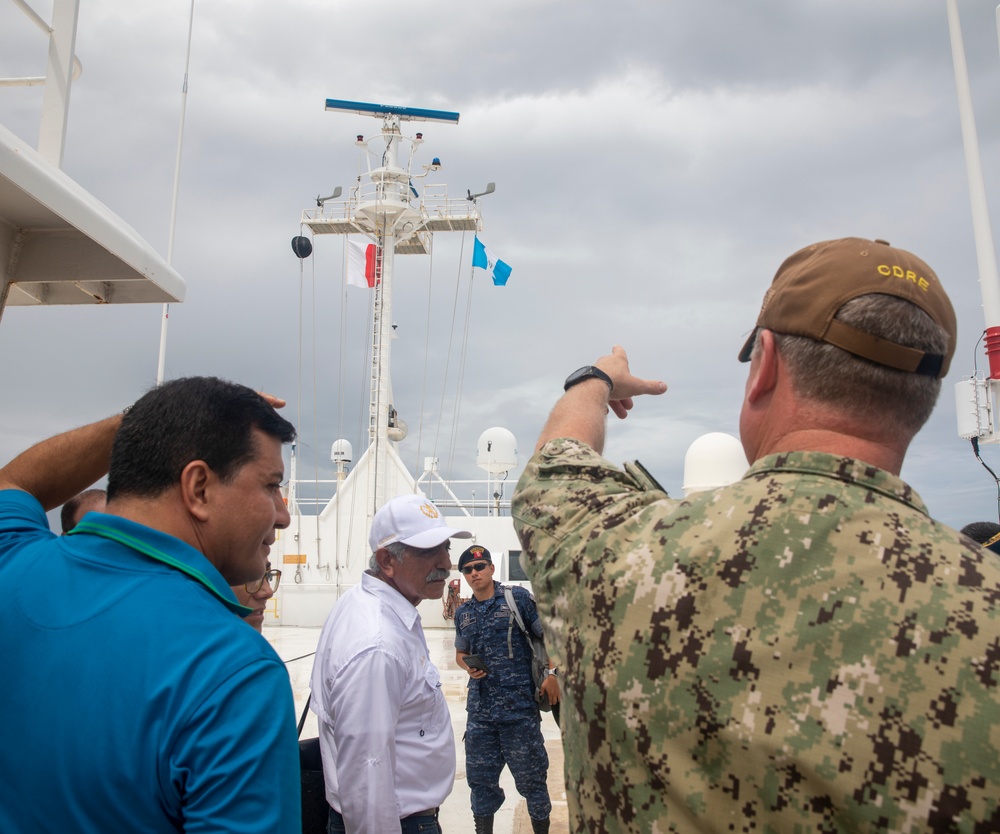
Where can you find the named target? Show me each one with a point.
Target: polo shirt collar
(163, 548)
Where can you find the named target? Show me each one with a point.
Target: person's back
(805, 649)
(780, 637)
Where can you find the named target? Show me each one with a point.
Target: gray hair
(397, 550)
(874, 393)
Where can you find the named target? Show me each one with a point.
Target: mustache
(437, 575)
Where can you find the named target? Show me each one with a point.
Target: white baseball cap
(412, 520)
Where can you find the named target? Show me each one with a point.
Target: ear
(385, 561)
(196, 479)
(763, 368)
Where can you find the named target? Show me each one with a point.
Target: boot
(484, 825)
(540, 826)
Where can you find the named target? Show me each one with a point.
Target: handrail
(35, 81)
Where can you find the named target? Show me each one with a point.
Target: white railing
(62, 68)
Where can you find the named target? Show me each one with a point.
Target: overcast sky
(654, 161)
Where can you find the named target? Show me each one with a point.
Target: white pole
(161, 364)
(985, 253)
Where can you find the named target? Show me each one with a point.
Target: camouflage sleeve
(567, 494)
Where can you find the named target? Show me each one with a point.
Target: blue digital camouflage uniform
(504, 725)
(803, 651)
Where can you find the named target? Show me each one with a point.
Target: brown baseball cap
(814, 283)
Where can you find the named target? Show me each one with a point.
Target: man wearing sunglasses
(504, 724)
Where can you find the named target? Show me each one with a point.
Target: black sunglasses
(476, 567)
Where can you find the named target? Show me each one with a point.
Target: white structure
(58, 244)
(713, 460)
(323, 555)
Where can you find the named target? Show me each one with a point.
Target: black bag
(539, 656)
(315, 811)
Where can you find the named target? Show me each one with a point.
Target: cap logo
(429, 510)
(906, 274)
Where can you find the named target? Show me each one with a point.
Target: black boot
(540, 826)
(484, 825)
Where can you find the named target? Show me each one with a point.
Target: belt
(430, 812)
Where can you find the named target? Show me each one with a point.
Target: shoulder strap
(508, 594)
(515, 614)
(305, 712)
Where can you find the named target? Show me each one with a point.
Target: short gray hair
(396, 549)
(828, 375)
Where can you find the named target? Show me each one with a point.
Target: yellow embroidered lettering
(905, 274)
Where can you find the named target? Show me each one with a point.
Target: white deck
(456, 814)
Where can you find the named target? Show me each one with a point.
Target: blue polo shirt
(134, 697)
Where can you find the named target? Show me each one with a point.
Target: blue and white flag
(485, 259)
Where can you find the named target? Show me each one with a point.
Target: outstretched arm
(581, 411)
(56, 469)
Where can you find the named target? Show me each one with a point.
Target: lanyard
(138, 544)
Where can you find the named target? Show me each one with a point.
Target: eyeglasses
(272, 578)
(478, 566)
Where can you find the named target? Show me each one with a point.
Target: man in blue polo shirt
(137, 700)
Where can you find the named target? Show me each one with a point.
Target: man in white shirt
(384, 728)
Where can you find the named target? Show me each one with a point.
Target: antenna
(406, 114)
(336, 193)
(490, 188)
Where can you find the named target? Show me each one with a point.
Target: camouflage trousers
(519, 744)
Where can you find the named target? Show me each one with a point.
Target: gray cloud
(654, 164)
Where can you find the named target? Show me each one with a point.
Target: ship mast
(387, 208)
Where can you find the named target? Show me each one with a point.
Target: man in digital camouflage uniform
(806, 649)
(504, 723)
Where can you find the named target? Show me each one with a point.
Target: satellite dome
(496, 450)
(713, 460)
(397, 431)
(342, 451)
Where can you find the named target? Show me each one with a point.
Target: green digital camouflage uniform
(805, 650)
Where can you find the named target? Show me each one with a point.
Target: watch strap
(585, 373)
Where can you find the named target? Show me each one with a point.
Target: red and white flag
(361, 263)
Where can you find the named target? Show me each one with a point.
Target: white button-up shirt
(384, 728)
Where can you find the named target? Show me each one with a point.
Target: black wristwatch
(587, 372)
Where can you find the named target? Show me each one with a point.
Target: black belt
(430, 812)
